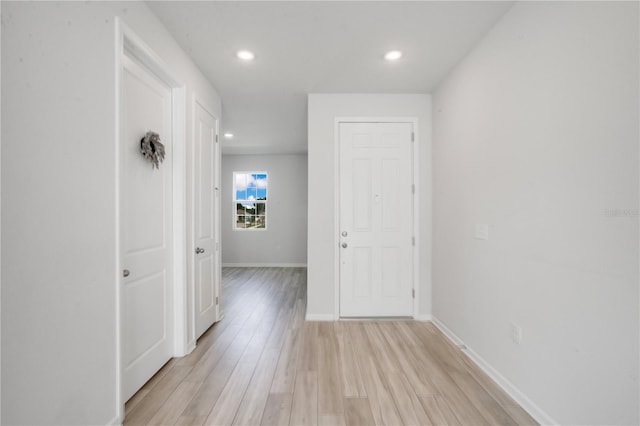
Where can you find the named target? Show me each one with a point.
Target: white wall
(536, 135)
(59, 273)
(323, 109)
(284, 242)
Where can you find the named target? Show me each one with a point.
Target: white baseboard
(529, 406)
(319, 317)
(264, 265)
(445, 330)
(190, 347)
(422, 317)
(117, 420)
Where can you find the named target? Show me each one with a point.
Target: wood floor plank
(285, 375)
(357, 412)
(514, 410)
(135, 400)
(304, 408)
(255, 398)
(147, 408)
(190, 421)
(463, 408)
(214, 385)
(409, 406)
(331, 420)
(263, 364)
(382, 406)
(482, 401)
(352, 383)
(329, 383)
(398, 344)
(229, 400)
(144, 391)
(227, 404)
(383, 351)
(309, 355)
(277, 410)
(439, 411)
(172, 408)
(386, 407)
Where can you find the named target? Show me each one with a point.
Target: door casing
(129, 44)
(416, 203)
(192, 335)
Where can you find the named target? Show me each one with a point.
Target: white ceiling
(306, 47)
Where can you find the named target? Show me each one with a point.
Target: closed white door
(205, 195)
(376, 219)
(146, 228)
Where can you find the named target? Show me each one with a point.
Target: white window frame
(234, 215)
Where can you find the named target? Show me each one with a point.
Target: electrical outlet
(516, 333)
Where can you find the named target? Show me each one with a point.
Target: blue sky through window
(251, 186)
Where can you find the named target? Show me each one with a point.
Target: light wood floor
(263, 364)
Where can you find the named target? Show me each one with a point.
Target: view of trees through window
(250, 200)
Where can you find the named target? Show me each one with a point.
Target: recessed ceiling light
(228, 135)
(245, 55)
(393, 55)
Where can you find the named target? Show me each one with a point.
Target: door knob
(125, 273)
(199, 250)
(344, 233)
(344, 245)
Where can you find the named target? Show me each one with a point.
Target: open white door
(146, 228)
(205, 194)
(376, 219)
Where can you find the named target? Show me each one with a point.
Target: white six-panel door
(376, 219)
(205, 270)
(146, 228)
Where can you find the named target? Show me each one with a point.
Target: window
(250, 200)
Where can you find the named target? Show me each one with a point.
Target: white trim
(445, 330)
(416, 203)
(516, 394)
(422, 317)
(264, 265)
(116, 421)
(319, 317)
(130, 44)
(119, 49)
(336, 219)
(180, 212)
(190, 228)
(190, 347)
(218, 219)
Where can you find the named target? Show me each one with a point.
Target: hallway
(262, 364)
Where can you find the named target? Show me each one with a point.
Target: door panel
(206, 270)
(362, 181)
(145, 228)
(376, 219)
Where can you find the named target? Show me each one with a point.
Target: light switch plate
(482, 231)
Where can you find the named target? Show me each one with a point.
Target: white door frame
(129, 44)
(416, 203)
(191, 338)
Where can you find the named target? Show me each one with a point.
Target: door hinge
(413, 137)
(413, 241)
(413, 188)
(216, 138)
(413, 293)
(216, 300)
(217, 245)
